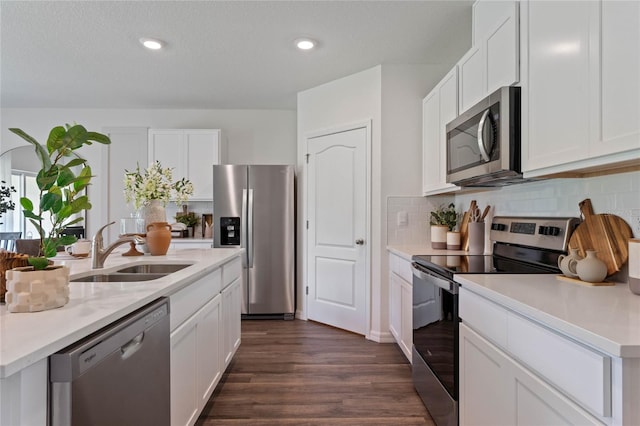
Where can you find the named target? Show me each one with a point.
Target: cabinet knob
(359, 241)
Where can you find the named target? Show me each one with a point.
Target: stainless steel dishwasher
(118, 375)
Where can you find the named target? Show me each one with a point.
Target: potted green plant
(61, 198)
(190, 220)
(443, 220)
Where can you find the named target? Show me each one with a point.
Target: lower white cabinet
(231, 318)
(186, 243)
(401, 303)
(195, 363)
(205, 334)
(496, 390)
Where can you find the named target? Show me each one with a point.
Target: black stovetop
(507, 259)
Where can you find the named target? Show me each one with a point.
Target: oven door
(435, 344)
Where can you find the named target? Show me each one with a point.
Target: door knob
(359, 241)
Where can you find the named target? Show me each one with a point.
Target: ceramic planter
(439, 236)
(453, 240)
(30, 290)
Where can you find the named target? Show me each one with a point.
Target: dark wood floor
(305, 373)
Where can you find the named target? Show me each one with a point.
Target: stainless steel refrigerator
(254, 208)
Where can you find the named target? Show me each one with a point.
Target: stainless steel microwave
(483, 143)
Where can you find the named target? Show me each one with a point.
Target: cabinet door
(501, 49)
(430, 142)
(231, 307)
(556, 103)
(202, 154)
(395, 306)
(168, 147)
(209, 363)
(448, 91)
(184, 373)
(406, 303)
(472, 86)
(618, 120)
(485, 394)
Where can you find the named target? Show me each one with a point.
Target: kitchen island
(27, 339)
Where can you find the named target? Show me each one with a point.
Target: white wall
(251, 136)
(391, 97)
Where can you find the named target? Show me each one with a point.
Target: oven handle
(439, 281)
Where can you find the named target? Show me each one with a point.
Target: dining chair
(28, 246)
(8, 240)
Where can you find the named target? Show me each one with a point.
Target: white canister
(453, 240)
(476, 237)
(634, 265)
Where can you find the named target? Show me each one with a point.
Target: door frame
(366, 124)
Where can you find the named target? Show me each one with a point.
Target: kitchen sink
(154, 268)
(119, 277)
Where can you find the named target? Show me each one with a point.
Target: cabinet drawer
(231, 271)
(580, 372)
(484, 316)
(188, 300)
(400, 267)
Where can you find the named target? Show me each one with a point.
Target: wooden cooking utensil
(464, 226)
(607, 234)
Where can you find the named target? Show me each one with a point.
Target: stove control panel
(551, 233)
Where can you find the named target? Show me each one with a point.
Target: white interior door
(337, 229)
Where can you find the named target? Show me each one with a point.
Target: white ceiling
(219, 54)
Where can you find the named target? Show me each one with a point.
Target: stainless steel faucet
(99, 253)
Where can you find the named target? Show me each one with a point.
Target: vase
(439, 236)
(563, 262)
(154, 212)
(30, 290)
(453, 240)
(590, 269)
(158, 238)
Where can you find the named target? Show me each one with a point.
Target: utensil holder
(476, 237)
(634, 266)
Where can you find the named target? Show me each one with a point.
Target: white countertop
(607, 318)
(407, 251)
(26, 338)
(192, 240)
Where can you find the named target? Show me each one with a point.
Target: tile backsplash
(617, 194)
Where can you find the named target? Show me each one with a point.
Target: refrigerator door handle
(250, 228)
(243, 220)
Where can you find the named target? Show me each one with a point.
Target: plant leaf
(41, 152)
(98, 137)
(49, 200)
(65, 177)
(75, 162)
(26, 203)
(38, 262)
(66, 240)
(83, 179)
(46, 178)
(56, 139)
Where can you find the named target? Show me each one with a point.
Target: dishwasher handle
(132, 346)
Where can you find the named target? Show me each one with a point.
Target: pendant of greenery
(60, 188)
(446, 216)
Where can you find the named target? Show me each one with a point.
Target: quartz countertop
(26, 338)
(606, 318)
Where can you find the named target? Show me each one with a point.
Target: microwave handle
(481, 147)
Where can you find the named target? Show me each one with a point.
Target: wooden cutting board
(607, 234)
(464, 227)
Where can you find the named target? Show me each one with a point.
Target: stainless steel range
(522, 245)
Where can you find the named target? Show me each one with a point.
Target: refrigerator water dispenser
(230, 231)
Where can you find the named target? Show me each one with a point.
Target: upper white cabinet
(191, 153)
(581, 85)
(438, 108)
(493, 61)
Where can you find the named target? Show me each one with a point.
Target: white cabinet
(439, 107)
(231, 317)
(189, 243)
(23, 396)
(496, 390)
(191, 153)
(493, 61)
(401, 303)
(581, 90)
(195, 363)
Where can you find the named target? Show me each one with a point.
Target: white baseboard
(301, 315)
(381, 337)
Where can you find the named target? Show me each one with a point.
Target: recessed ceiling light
(305, 43)
(152, 43)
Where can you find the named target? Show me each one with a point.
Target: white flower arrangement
(155, 183)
